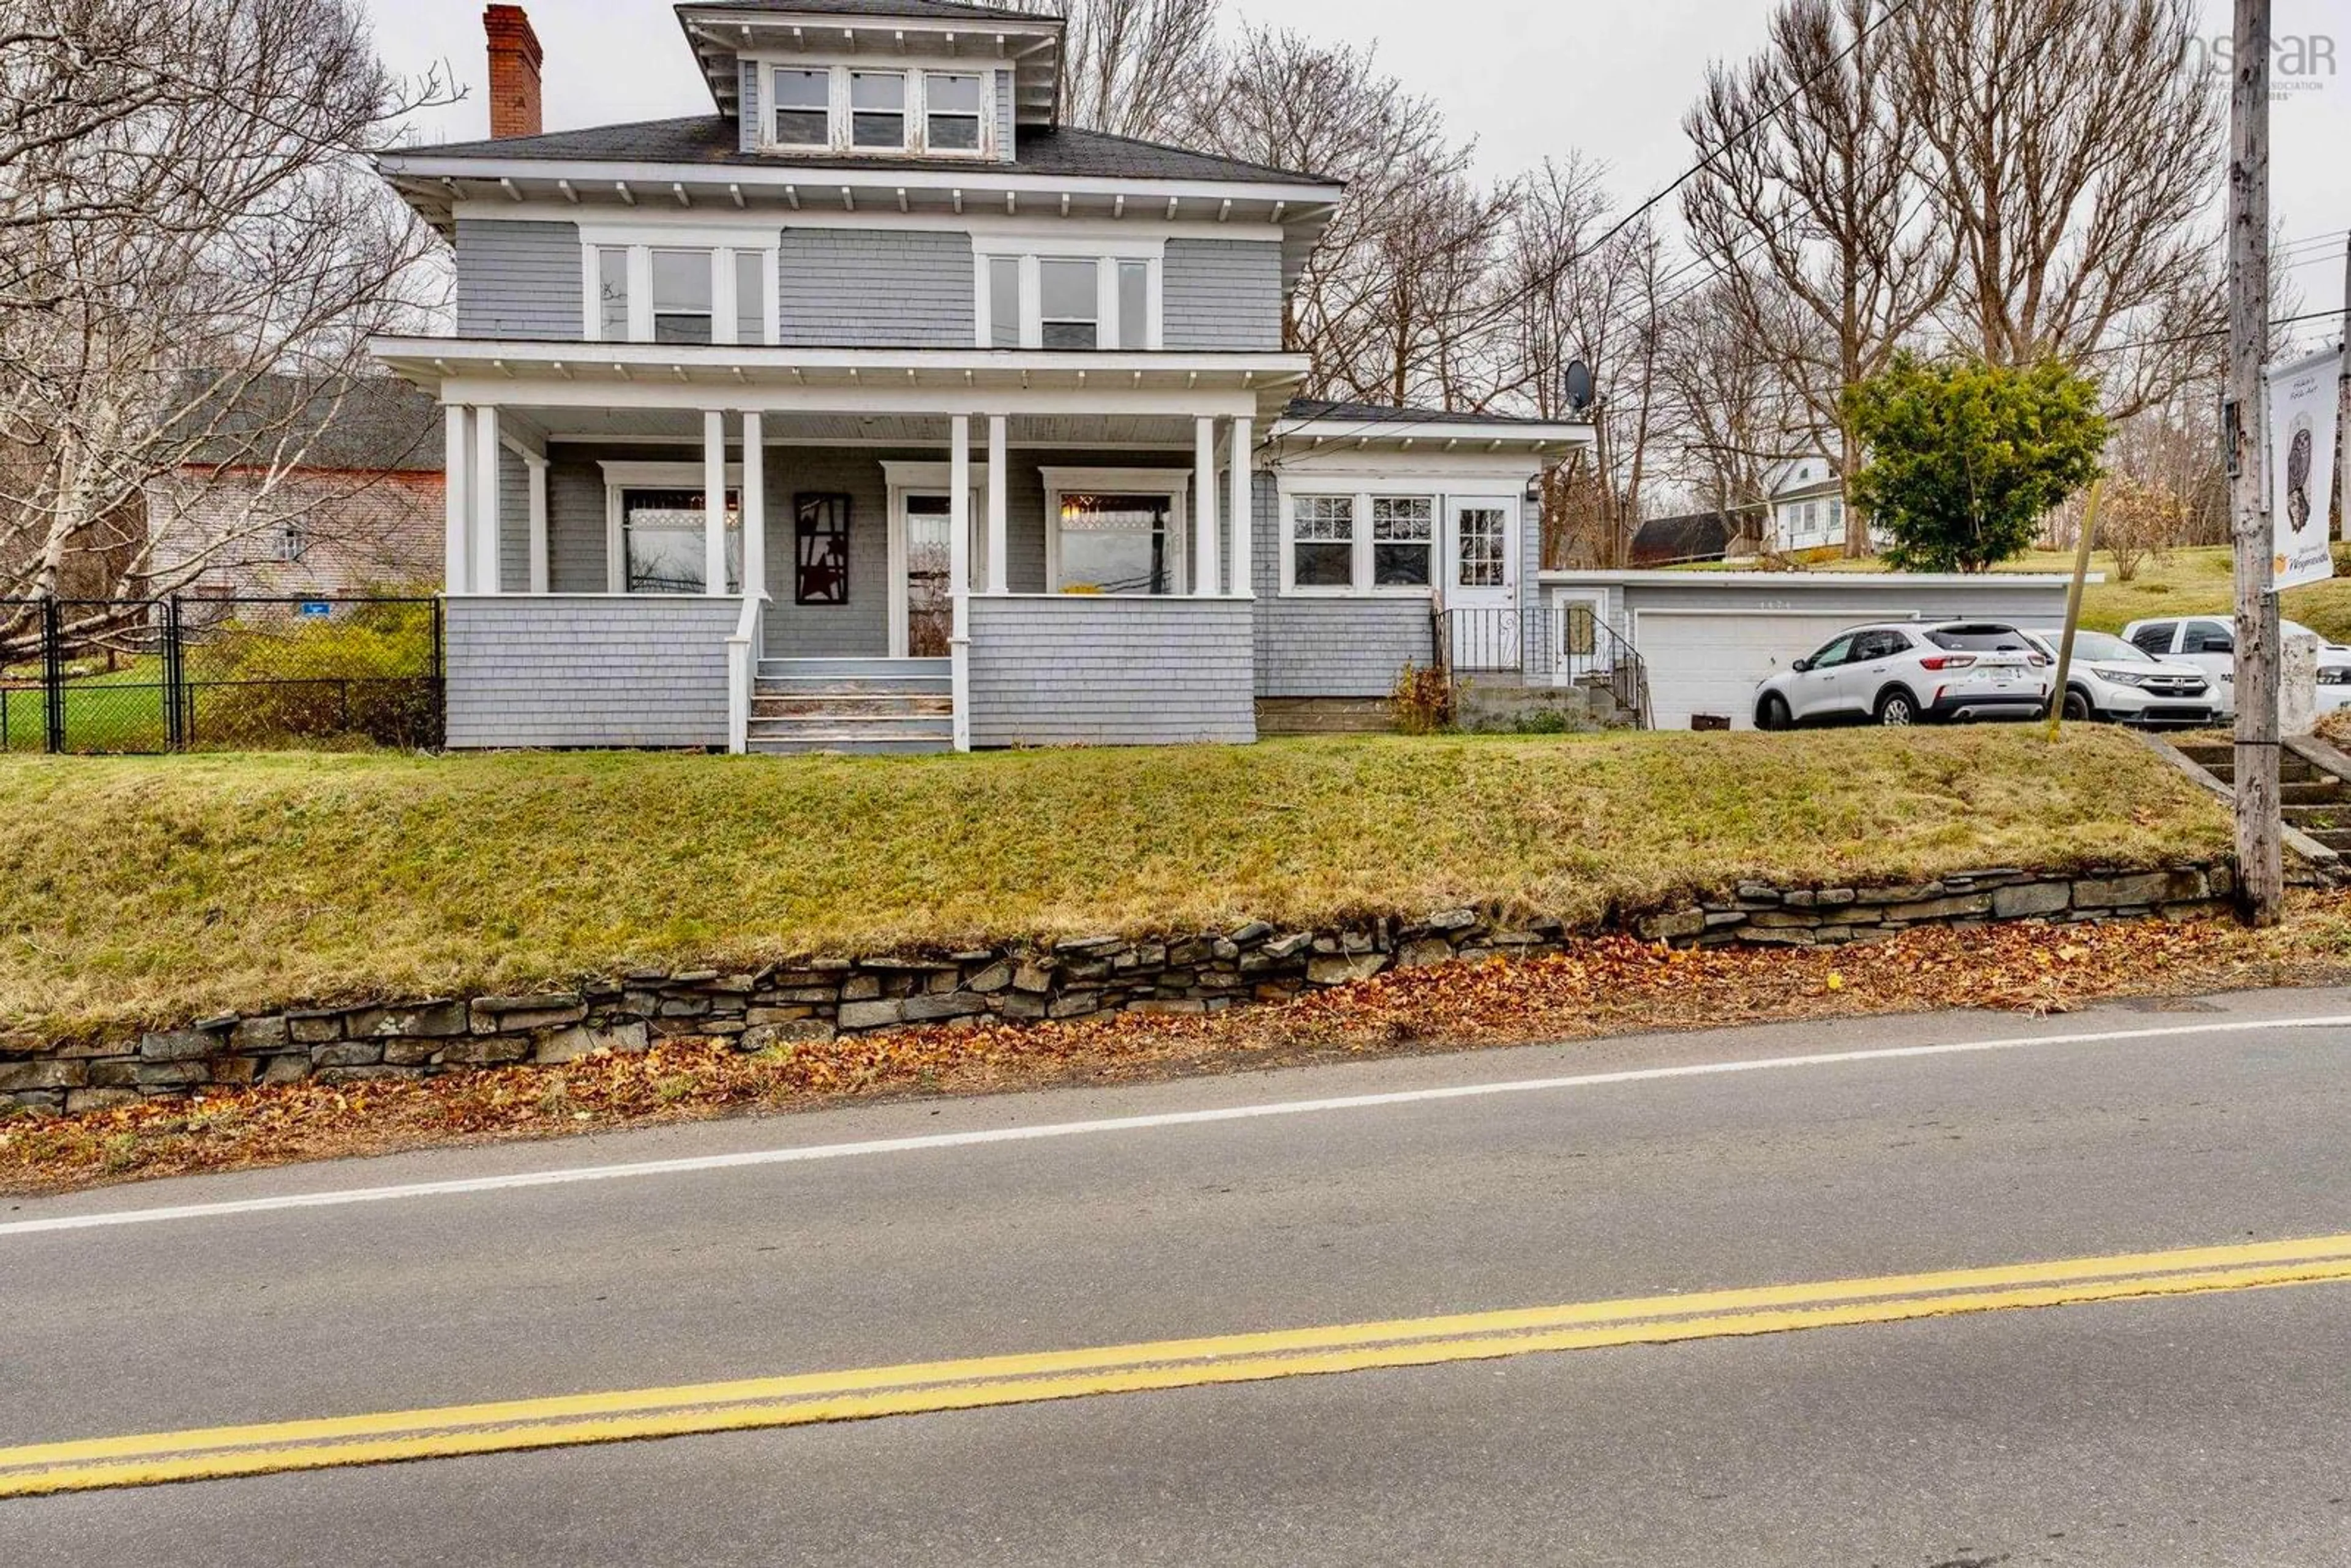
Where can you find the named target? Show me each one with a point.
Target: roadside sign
(2302, 467)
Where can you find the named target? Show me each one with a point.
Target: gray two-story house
(878, 409)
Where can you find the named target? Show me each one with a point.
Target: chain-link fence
(196, 672)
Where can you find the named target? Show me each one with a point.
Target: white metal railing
(743, 672)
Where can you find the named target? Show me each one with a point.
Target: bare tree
(1134, 67)
(1328, 109)
(2076, 149)
(192, 197)
(1808, 208)
(1728, 405)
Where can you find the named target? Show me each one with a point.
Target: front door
(922, 617)
(1478, 586)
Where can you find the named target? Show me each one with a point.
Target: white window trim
(1362, 495)
(1032, 251)
(620, 476)
(724, 245)
(1175, 484)
(840, 139)
(1450, 542)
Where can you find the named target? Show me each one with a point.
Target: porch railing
(1563, 645)
(743, 671)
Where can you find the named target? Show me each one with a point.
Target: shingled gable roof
(713, 138)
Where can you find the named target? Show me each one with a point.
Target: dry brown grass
(146, 891)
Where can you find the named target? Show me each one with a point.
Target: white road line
(1118, 1124)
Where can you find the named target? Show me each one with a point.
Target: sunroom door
(1478, 585)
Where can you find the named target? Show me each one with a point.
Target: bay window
(877, 109)
(951, 107)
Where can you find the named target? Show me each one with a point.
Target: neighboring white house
(1806, 507)
(880, 409)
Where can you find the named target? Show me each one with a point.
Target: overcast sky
(1525, 77)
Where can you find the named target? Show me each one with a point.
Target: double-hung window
(1322, 541)
(877, 109)
(1070, 304)
(1365, 542)
(1078, 303)
(713, 292)
(1404, 541)
(803, 108)
(951, 107)
(682, 296)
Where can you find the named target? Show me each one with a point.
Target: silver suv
(1904, 673)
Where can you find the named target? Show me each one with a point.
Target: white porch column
(997, 524)
(1242, 511)
(755, 505)
(1204, 507)
(485, 574)
(457, 546)
(959, 577)
(538, 567)
(714, 502)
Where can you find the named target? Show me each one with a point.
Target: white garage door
(1709, 661)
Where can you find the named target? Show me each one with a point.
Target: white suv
(2209, 643)
(2115, 680)
(1904, 673)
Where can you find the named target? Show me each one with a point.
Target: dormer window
(877, 109)
(849, 109)
(803, 108)
(951, 112)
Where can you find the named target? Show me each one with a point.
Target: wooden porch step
(850, 745)
(769, 704)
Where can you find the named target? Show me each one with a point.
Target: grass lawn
(115, 711)
(2191, 582)
(152, 890)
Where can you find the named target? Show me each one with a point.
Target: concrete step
(2314, 792)
(2336, 839)
(2338, 815)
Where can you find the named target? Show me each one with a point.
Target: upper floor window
(851, 109)
(803, 102)
(671, 294)
(877, 109)
(1068, 302)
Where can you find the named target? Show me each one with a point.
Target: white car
(2116, 680)
(1903, 672)
(2209, 643)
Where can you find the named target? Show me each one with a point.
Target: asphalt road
(2208, 1428)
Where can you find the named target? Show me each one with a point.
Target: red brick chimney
(515, 59)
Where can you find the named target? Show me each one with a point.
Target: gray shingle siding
(519, 279)
(578, 672)
(514, 524)
(750, 121)
(876, 288)
(1102, 671)
(1312, 647)
(1221, 294)
(1008, 147)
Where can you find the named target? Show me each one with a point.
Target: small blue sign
(314, 610)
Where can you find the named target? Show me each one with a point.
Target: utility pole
(2342, 403)
(2260, 855)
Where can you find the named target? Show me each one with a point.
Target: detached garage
(1708, 637)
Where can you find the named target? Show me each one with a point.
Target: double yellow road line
(975, 1384)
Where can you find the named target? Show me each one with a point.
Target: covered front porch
(1007, 549)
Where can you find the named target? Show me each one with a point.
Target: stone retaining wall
(786, 1004)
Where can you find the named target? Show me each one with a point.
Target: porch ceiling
(906, 381)
(684, 427)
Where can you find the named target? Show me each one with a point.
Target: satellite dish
(1576, 383)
